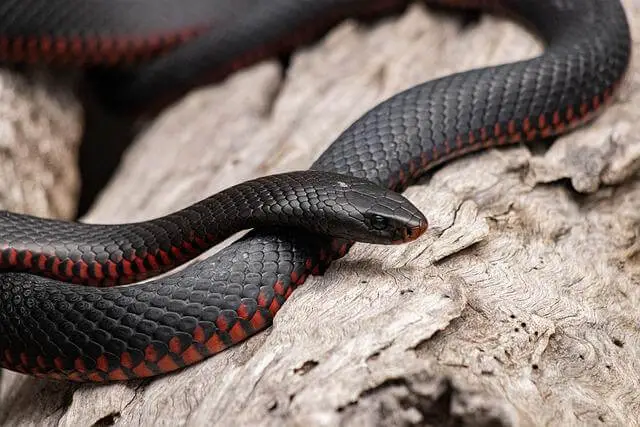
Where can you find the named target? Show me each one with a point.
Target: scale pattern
(323, 203)
(69, 332)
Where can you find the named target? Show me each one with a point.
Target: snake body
(105, 255)
(71, 332)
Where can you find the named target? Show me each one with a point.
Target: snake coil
(72, 332)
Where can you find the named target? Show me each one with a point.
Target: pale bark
(40, 129)
(518, 307)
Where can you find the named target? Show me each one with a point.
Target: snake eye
(379, 222)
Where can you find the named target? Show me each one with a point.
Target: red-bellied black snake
(68, 331)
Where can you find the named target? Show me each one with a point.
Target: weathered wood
(519, 306)
(40, 129)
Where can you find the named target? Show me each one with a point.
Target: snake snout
(413, 230)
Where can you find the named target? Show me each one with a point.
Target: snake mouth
(411, 233)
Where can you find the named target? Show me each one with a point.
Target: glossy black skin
(323, 203)
(392, 145)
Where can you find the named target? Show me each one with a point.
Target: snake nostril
(409, 234)
(413, 232)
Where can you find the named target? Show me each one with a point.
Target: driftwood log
(518, 307)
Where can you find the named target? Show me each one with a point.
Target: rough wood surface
(40, 129)
(519, 306)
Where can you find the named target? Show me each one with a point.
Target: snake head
(364, 212)
(330, 204)
(385, 217)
